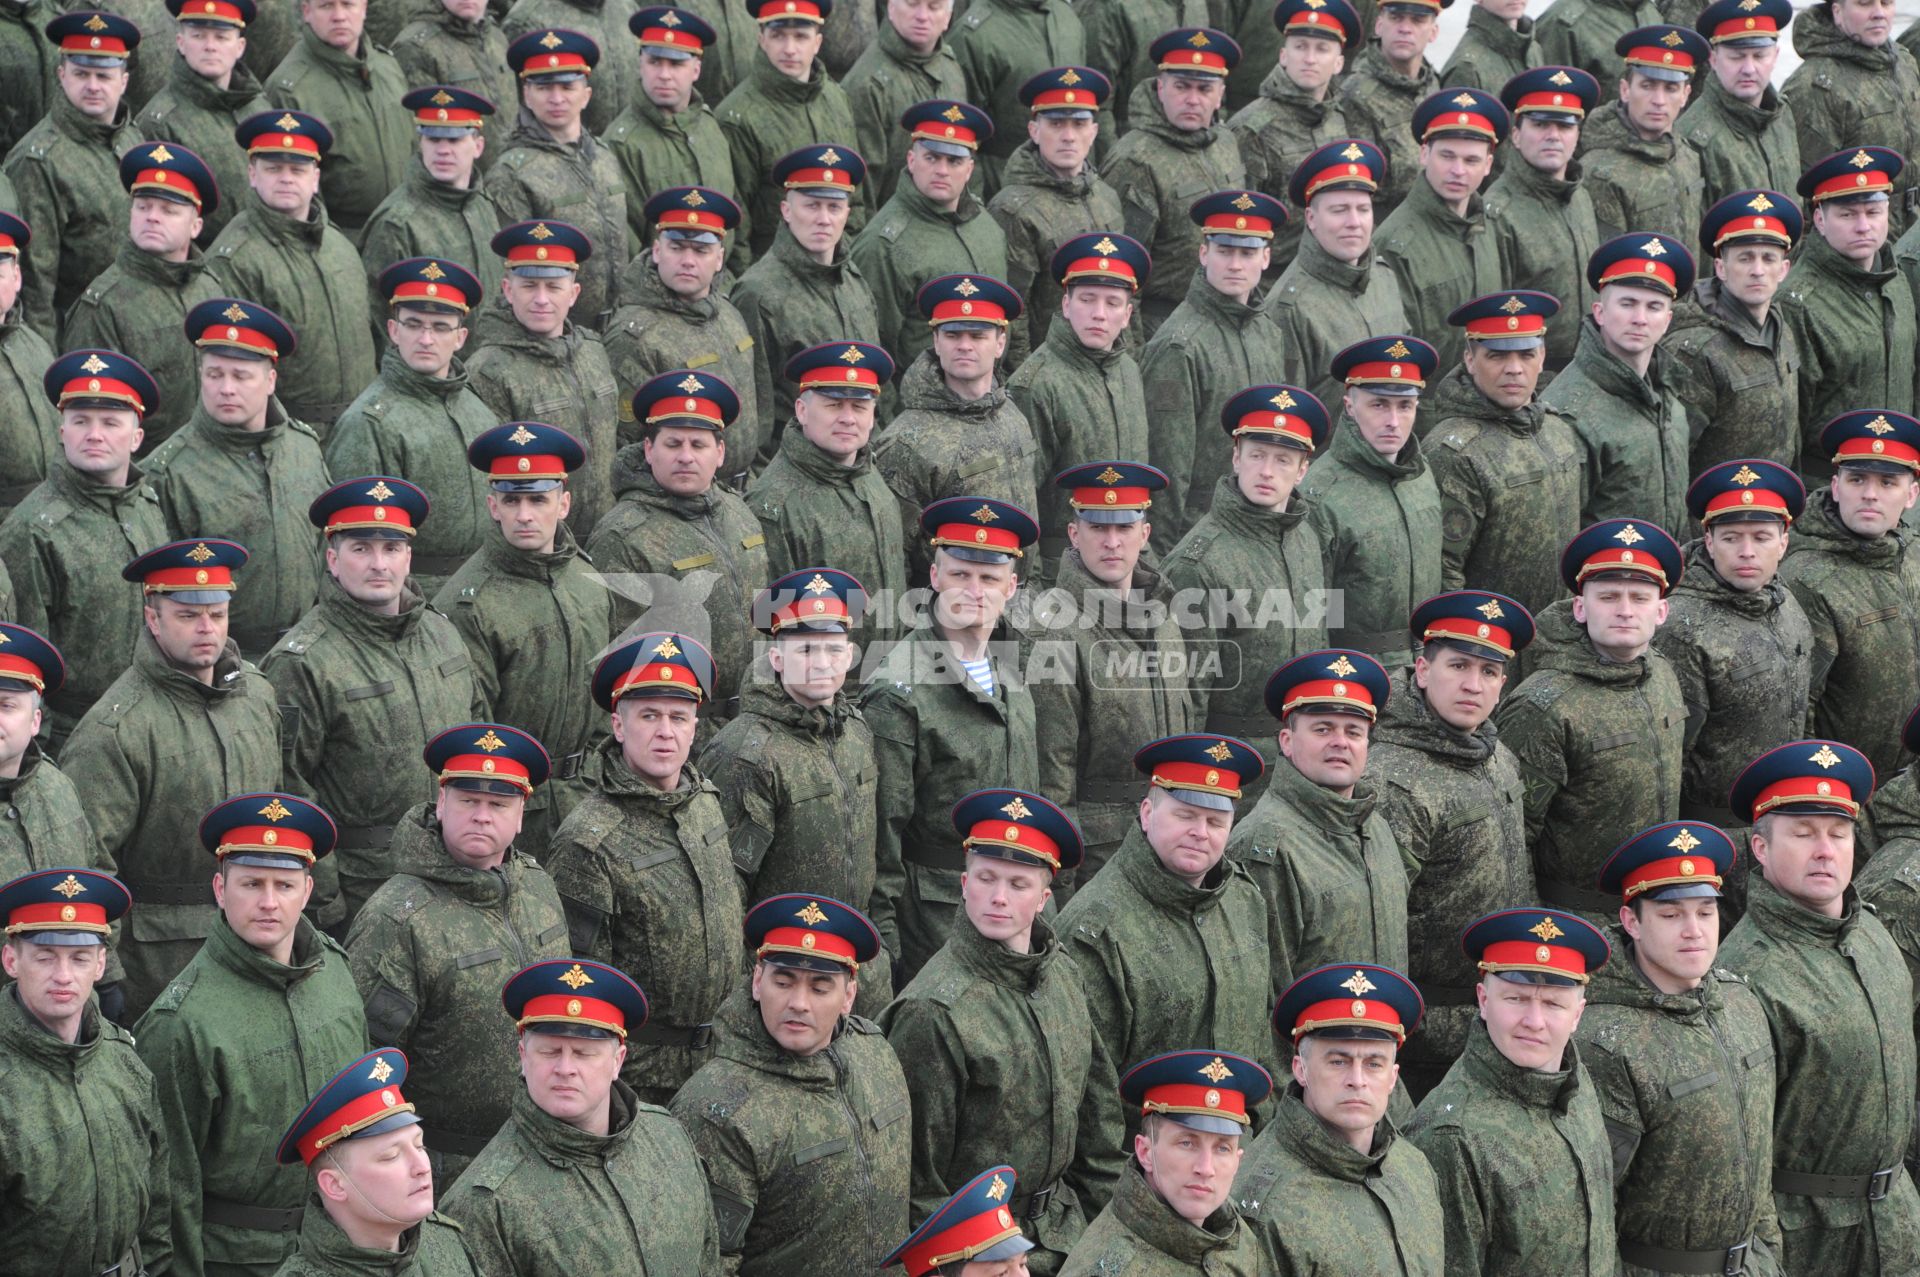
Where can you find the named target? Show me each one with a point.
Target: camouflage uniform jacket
(1379, 103)
(1491, 52)
(1599, 744)
(574, 182)
(1278, 130)
(1119, 33)
(1742, 147)
(1582, 33)
(1892, 824)
(358, 94)
(1205, 353)
(1158, 171)
(1844, 93)
(1839, 1003)
(42, 824)
(422, 217)
(1000, 45)
(1441, 259)
(1863, 600)
(194, 112)
(546, 1197)
(138, 306)
(1039, 212)
(66, 185)
(30, 446)
(1316, 1204)
(1686, 1084)
(1379, 520)
(1636, 184)
(236, 1042)
(886, 79)
(808, 1158)
(727, 62)
(767, 115)
(910, 241)
(1000, 1054)
(1741, 382)
(1523, 1165)
(648, 885)
(1322, 305)
(656, 150)
(616, 80)
(1511, 482)
(28, 60)
(440, 47)
(1139, 1235)
(435, 1247)
(430, 952)
(1744, 660)
(1632, 428)
(1546, 231)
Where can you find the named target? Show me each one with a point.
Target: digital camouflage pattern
(1633, 430)
(1844, 92)
(615, 80)
(1546, 231)
(1139, 1235)
(1277, 131)
(1741, 147)
(1040, 211)
(138, 306)
(27, 60)
(807, 1158)
(888, 77)
(656, 150)
(65, 175)
(1120, 32)
(358, 94)
(1322, 305)
(910, 241)
(194, 112)
(1582, 34)
(435, 1247)
(30, 446)
(726, 63)
(767, 115)
(437, 46)
(1740, 381)
(1379, 103)
(1638, 184)
(421, 217)
(574, 182)
(1491, 52)
(1441, 259)
(1000, 45)
(45, 825)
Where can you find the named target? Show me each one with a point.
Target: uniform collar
(1148, 1217)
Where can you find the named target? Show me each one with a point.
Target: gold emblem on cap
(1353, 152)
(234, 313)
(1823, 789)
(1491, 609)
(1398, 350)
(966, 288)
(200, 553)
(1671, 39)
(160, 155)
(829, 157)
(1628, 535)
(997, 1189)
(1824, 757)
(540, 231)
(1343, 667)
(1860, 159)
(432, 271)
(574, 977)
(287, 123)
(1513, 305)
(1683, 842)
(550, 41)
(573, 1006)
(490, 742)
(1745, 476)
(95, 23)
(1282, 401)
(985, 514)
(1547, 929)
(1219, 751)
(1216, 1071)
(381, 1070)
(441, 98)
(1109, 476)
(1017, 809)
(521, 436)
(670, 19)
(70, 887)
(1654, 248)
(667, 648)
(200, 577)
(1357, 984)
(1466, 99)
(380, 491)
(1686, 868)
(1198, 40)
(818, 585)
(276, 811)
(68, 913)
(813, 915)
(1560, 78)
(1879, 425)
(953, 115)
(94, 364)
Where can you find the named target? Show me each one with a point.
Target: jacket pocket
(817, 1151)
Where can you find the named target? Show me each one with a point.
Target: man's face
(94, 91)
(1098, 313)
(1633, 320)
(99, 442)
(668, 82)
(541, 304)
(1752, 273)
(165, 228)
(53, 981)
(450, 160)
(1384, 421)
(556, 103)
(1341, 222)
(655, 735)
(1189, 101)
(1653, 105)
(190, 635)
(1809, 859)
(210, 49)
(801, 1009)
(1620, 614)
(1675, 940)
(1267, 473)
(476, 828)
(1744, 73)
(816, 223)
(287, 186)
(1546, 145)
(570, 1078)
(19, 724)
(234, 392)
(530, 520)
(262, 905)
(465, 10)
(1455, 166)
(1405, 33)
(1109, 551)
(9, 284)
(1003, 898)
(1857, 229)
(372, 571)
(381, 1178)
(1233, 271)
(1507, 377)
(1015, 1267)
(1189, 839)
(791, 46)
(1191, 1170)
(969, 595)
(1328, 749)
(812, 666)
(337, 22)
(1064, 142)
(1530, 1024)
(940, 178)
(1505, 10)
(684, 459)
(967, 352)
(427, 340)
(1747, 555)
(1868, 22)
(1461, 688)
(1345, 1083)
(687, 266)
(838, 427)
(1311, 61)
(920, 23)
(1871, 503)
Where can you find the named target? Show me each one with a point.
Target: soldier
(30, 65)
(1537, 209)
(427, 947)
(1692, 1170)
(1850, 569)
(1638, 174)
(1595, 669)
(1116, 661)
(421, 415)
(29, 426)
(337, 72)
(1621, 393)
(1050, 192)
(1172, 1212)
(1002, 46)
(677, 529)
(283, 252)
(363, 680)
(821, 499)
(1377, 506)
(1334, 292)
(668, 135)
(908, 62)
(805, 290)
(973, 1234)
(1218, 339)
(1735, 636)
(1081, 392)
(1742, 391)
(533, 362)
(1388, 81)
(1887, 884)
(931, 226)
(671, 316)
(1839, 1002)
(241, 467)
(1515, 1133)
(605, 27)
(93, 510)
(1257, 559)
(459, 44)
(49, 826)
(137, 304)
(552, 161)
(1450, 792)
(788, 100)
(1177, 144)
(1296, 112)
(1330, 1183)
(1853, 86)
(207, 93)
(1510, 471)
(582, 1146)
(189, 699)
(995, 1037)
(959, 431)
(440, 210)
(98, 1201)
(1498, 45)
(253, 1026)
(1851, 319)
(1581, 33)
(1740, 127)
(65, 171)
(363, 1143)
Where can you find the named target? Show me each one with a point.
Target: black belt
(437, 564)
(1873, 1187)
(364, 838)
(444, 1141)
(1036, 1204)
(258, 1219)
(1111, 791)
(169, 893)
(1564, 895)
(696, 1036)
(1730, 1261)
(1250, 726)
(569, 767)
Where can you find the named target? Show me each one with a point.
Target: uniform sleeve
(1689, 667)
(872, 255)
(896, 753)
(353, 445)
(480, 647)
(1024, 265)
(1099, 1151)
(303, 722)
(38, 205)
(1463, 507)
(1826, 641)
(749, 805)
(733, 1175)
(36, 591)
(380, 955)
(156, 1230)
(1173, 398)
(1058, 716)
(1412, 824)
(935, 1063)
(1461, 1203)
(749, 169)
(1534, 737)
(1619, 1105)
(1110, 1008)
(186, 1093)
(477, 1211)
(1812, 367)
(585, 883)
(873, 129)
(509, 195)
(1139, 196)
(115, 795)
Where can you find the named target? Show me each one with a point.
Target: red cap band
(805, 940)
(420, 290)
(1525, 955)
(838, 178)
(22, 670)
(159, 179)
(1350, 1012)
(167, 580)
(1865, 183)
(1506, 326)
(781, 10)
(1350, 172)
(1398, 373)
(356, 1115)
(1462, 122)
(102, 388)
(1836, 794)
(1112, 269)
(556, 63)
(1208, 1101)
(965, 1239)
(1742, 28)
(541, 254)
(1618, 560)
(667, 37)
(1004, 540)
(1877, 450)
(1746, 499)
(1237, 224)
(1673, 871)
(1208, 780)
(1112, 498)
(689, 406)
(212, 11)
(692, 219)
(284, 144)
(1326, 691)
(532, 464)
(1321, 21)
(1465, 631)
(1640, 269)
(455, 116)
(1056, 99)
(1677, 59)
(369, 516)
(234, 335)
(265, 838)
(102, 45)
(826, 607)
(56, 916)
(816, 378)
(1276, 423)
(568, 1008)
(486, 767)
(1194, 62)
(1563, 103)
(958, 134)
(1014, 837)
(657, 674)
